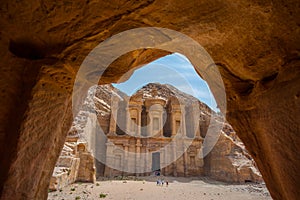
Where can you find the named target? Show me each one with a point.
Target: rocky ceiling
(42, 44)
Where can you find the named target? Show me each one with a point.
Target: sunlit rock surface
(228, 161)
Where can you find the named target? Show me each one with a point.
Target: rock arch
(256, 46)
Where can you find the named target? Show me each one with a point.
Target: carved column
(183, 125)
(195, 117)
(172, 124)
(174, 158)
(109, 159)
(125, 161)
(113, 115)
(161, 125)
(184, 159)
(138, 160)
(139, 121)
(145, 160)
(149, 117)
(127, 120)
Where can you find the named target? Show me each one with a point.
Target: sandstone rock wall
(76, 161)
(254, 43)
(230, 162)
(75, 164)
(67, 167)
(86, 171)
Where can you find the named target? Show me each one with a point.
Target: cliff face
(76, 162)
(228, 161)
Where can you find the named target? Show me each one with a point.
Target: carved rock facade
(161, 129)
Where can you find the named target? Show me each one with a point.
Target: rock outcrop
(67, 167)
(229, 161)
(76, 162)
(255, 45)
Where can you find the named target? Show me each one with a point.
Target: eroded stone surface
(229, 161)
(255, 44)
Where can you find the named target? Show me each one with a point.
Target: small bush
(72, 189)
(78, 197)
(102, 195)
(97, 184)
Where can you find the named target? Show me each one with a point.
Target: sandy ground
(146, 188)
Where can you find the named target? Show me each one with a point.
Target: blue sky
(174, 69)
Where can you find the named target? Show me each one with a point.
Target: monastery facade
(155, 134)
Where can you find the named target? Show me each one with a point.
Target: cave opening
(157, 104)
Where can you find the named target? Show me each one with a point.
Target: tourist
(167, 183)
(159, 182)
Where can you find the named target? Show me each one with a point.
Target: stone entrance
(156, 161)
